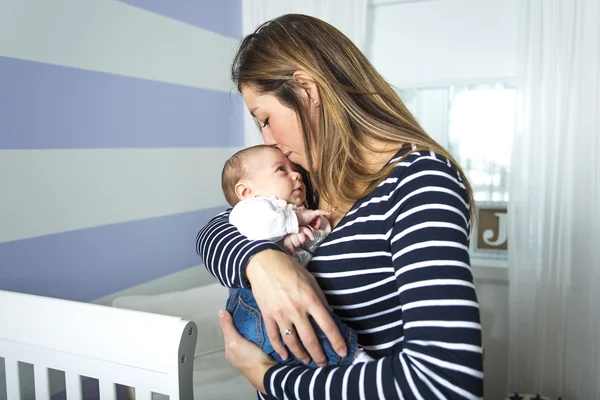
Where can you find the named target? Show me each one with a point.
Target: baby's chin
(298, 201)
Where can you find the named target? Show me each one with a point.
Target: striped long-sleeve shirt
(396, 269)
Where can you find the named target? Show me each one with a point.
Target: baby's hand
(316, 223)
(294, 241)
(310, 217)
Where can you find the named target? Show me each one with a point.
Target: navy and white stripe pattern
(396, 269)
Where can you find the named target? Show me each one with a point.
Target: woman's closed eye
(266, 123)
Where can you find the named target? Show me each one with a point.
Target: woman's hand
(244, 355)
(287, 294)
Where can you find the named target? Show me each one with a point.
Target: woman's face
(279, 125)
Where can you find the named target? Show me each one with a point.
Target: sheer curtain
(554, 302)
(349, 16)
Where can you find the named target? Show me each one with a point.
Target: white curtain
(349, 16)
(554, 208)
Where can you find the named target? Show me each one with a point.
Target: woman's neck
(374, 160)
(336, 214)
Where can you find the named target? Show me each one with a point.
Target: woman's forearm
(226, 252)
(258, 266)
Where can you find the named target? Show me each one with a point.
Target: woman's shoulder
(410, 161)
(416, 172)
(418, 175)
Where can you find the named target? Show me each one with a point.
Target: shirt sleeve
(261, 218)
(441, 355)
(226, 252)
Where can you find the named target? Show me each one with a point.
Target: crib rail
(149, 352)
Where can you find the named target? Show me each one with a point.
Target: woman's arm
(441, 351)
(285, 292)
(226, 252)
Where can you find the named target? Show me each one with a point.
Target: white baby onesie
(268, 218)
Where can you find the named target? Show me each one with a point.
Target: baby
(268, 197)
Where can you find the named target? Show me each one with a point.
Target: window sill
(490, 271)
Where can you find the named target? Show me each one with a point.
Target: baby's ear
(243, 190)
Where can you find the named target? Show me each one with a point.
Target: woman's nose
(268, 138)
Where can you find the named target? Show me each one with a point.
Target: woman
(396, 265)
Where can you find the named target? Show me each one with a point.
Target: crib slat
(108, 390)
(42, 384)
(73, 386)
(13, 388)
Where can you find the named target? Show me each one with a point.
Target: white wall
(492, 293)
(444, 41)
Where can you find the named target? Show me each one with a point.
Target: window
(476, 124)
(481, 124)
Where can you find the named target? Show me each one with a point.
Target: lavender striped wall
(115, 120)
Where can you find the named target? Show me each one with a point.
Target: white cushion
(199, 305)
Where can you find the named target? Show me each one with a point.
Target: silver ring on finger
(288, 332)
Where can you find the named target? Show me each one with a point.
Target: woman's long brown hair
(357, 106)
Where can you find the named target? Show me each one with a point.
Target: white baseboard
(182, 280)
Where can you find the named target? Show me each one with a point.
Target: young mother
(396, 266)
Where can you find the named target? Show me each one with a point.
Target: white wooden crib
(150, 353)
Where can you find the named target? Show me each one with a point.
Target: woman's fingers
(229, 336)
(287, 294)
(310, 342)
(293, 343)
(275, 338)
(234, 342)
(277, 332)
(331, 330)
(229, 331)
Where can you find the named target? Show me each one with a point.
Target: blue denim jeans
(249, 322)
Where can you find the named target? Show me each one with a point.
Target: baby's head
(262, 171)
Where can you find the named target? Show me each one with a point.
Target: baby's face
(275, 175)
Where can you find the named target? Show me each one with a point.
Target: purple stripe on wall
(222, 16)
(44, 106)
(87, 264)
